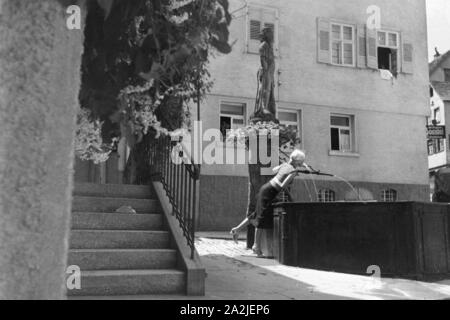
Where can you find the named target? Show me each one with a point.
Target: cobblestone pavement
(226, 247)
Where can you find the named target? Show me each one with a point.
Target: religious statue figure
(265, 100)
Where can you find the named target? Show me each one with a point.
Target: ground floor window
(341, 128)
(436, 146)
(326, 195)
(389, 195)
(292, 119)
(232, 116)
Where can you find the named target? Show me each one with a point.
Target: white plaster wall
(390, 117)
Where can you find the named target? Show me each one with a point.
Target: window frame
(326, 196)
(299, 122)
(446, 74)
(249, 18)
(436, 146)
(349, 128)
(386, 195)
(387, 32)
(430, 146)
(233, 117)
(353, 42)
(437, 115)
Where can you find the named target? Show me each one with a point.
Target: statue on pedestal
(265, 107)
(263, 189)
(265, 111)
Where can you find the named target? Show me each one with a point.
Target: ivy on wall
(144, 62)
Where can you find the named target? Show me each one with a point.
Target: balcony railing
(180, 178)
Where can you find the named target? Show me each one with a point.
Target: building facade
(438, 149)
(358, 97)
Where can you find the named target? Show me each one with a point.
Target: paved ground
(234, 273)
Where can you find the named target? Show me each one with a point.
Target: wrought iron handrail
(180, 177)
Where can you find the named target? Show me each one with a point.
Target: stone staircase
(122, 253)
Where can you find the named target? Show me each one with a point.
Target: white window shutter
(407, 54)
(361, 61)
(255, 30)
(372, 48)
(254, 27)
(323, 41)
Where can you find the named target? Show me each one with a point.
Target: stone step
(119, 239)
(123, 259)
(114, 191)
(116, 221)
(105, 204)
(130, 282)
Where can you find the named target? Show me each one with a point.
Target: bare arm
(288, 180)
(276, 169)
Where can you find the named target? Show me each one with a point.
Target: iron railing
(180, 178)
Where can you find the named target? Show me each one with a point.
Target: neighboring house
(438, 150)
(438, 155)
(358, 98)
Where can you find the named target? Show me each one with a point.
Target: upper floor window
(387, 51)
(389, 195)
(326, 195)
(447, 75)
(349, 44)
(437, 115)
(430, 147)
(258, 19)
(342, 44)
(341, 127)
(232, 116)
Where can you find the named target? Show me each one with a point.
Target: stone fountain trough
(404, 239)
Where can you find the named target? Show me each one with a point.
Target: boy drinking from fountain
(262, 218)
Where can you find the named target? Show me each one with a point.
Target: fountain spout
(318, 173)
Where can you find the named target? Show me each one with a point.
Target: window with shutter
(387, 51)
(336, 43)
(258, 19)
(342, 45)
(383, 51)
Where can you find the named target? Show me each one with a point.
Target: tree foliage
(146, 60)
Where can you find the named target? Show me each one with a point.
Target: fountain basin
(404, 239)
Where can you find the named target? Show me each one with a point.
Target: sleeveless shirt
(285, 171)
